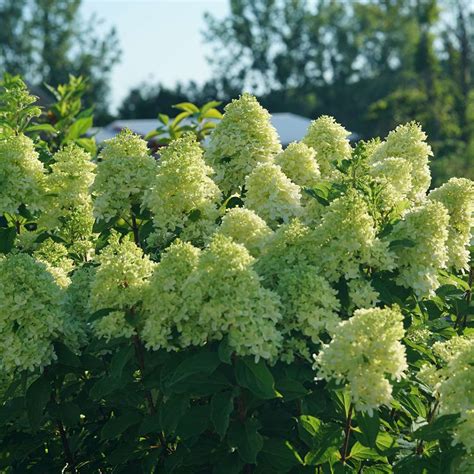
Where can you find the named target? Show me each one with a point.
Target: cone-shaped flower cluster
(457, 196)
(21, 175)
(454, 384)
(246, 228)
(31, 315)
(365, 354)
(409, 142)
(118, 286)
(223, 296)
(244, 138)
(298, 162)
(330, 141)
(68, 201)
(184, 198)
(310, 304)
(125, 171)
(424, 232)
(272, 195)
(347, 239)
(163, 299)
(55, 256)
(394, 177)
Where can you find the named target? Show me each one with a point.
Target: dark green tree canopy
(46, 40)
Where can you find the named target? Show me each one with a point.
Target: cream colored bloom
(223, 296)
(457, 196)
(298, 162)
(31, 315)
(272, 195)
(125, 171)
(456, 392)
(68, 209)
(244, 138)
(409, 142)
(330, 141)
(118, 285)
(245, 227)
(163, 299)
(365, 354)
(426, 229)
(184, 198)
(21, 175)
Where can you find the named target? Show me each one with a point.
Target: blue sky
(161, 40)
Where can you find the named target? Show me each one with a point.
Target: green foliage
(191, 405)
(198, 120)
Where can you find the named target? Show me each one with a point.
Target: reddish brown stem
(347, 435)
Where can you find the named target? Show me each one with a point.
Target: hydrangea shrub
(230, 306)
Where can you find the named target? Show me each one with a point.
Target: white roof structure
(290, 127)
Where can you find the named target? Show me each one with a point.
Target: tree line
(371, 64)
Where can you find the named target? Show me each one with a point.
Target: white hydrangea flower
(298, 162)
(163, 299)
(272, 195)
(292, 245)
(330, 141)
(21, 175)
(118, 284)
(246, 228)
(31, 315)
(409, 142)
(55, 256)
(365, 354)
(224, 296)
(456, 392)
(76, 307)
(426, 226)
(309, 302)
(184, 196)
(125, 171)
(457, 196)
(347, 236)
(394, 177)
(68, 209)
(244, 138)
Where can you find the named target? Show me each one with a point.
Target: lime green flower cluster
(310, 304)
(457, 196)
(21, 175)
(76, 307)
(426, 229)
(224, 296)
(272, 195)
(394, 177)
(409, 142)
(298, 162)
(125, 171)
(454, 384)
(347, 239)
(365, 354)
(292, 245)
(330, 141)
(31, 315)
(183, 195)
(246, 228)
(163, 299)
(55, 256)
(244, 138)
(118, 285)
(68, 206)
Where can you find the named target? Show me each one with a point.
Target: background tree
(370, 64)
(55, 41)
